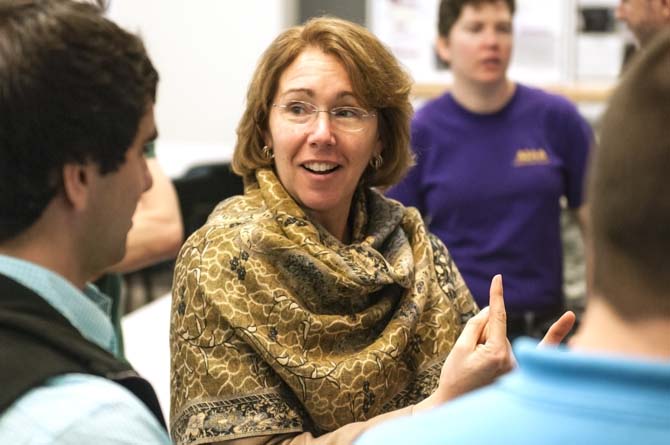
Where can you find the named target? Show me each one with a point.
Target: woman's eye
(346, 112)
(297, 108)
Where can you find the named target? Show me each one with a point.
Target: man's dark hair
(450, 11)
(73, 88)
(629, 190)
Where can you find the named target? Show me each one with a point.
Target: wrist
(426, 404)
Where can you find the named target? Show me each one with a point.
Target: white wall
(205, 52)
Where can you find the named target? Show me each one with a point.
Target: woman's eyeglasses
(351, 119)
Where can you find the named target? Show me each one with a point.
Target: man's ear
(76, 184)
(442, 49)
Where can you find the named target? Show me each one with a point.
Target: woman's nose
(322, 128)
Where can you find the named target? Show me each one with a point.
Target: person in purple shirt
(494, 159)
(611, 383)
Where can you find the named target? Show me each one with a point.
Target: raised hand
(480, 355)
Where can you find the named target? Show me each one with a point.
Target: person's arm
(157, 231)
(581, 215)
(342, 436)
(575, 141)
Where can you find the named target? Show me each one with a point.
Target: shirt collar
(89, 310)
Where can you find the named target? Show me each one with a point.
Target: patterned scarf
(278, 327)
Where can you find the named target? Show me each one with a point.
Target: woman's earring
(268, 152)
(376, 162)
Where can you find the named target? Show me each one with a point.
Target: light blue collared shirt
(555, 396)
(76, 408)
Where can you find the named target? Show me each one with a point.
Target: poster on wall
(542, 40)
(408, 28)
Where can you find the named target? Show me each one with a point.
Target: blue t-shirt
(489, 186)
(556, 396)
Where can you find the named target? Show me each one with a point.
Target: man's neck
(50, 252)
(602, 330)
(483, 99)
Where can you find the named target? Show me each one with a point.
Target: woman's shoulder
(381, 203)
(237, 207)
(435, 106)
(549, 100)
(232, 215)
(389, 209)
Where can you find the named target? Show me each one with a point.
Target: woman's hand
(482, 352)
(479, 356)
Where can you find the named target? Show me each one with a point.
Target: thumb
(473, 330)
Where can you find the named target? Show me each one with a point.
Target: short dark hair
(629, 191)
(73, 88)
(450, 11)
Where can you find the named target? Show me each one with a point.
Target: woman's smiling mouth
(320, 168)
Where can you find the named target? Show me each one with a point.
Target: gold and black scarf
(278, 327)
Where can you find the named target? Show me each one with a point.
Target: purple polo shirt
(489, 186)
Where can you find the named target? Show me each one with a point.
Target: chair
(201, 188)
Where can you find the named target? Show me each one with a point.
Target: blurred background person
(644, 18)
(613, 381)
(493, 159)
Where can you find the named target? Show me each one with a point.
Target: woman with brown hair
(311, 307)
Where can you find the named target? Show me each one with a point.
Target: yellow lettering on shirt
(531, 156)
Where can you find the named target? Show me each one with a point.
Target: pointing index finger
(497, 326)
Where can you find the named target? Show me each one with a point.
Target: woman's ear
(267, 141)
(76, 184)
